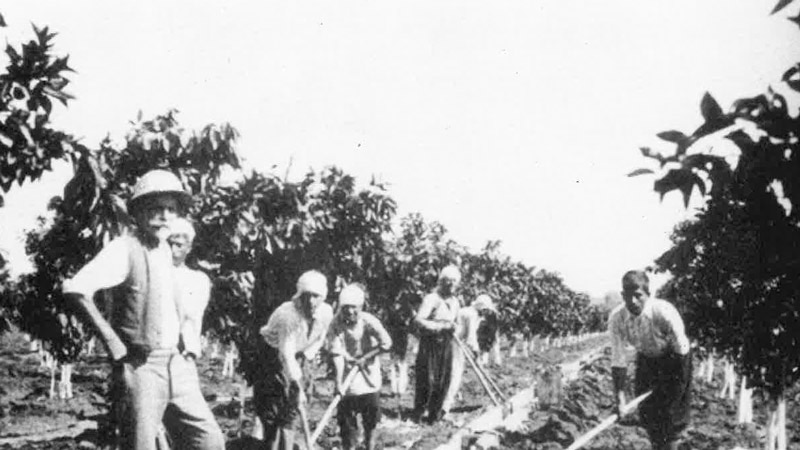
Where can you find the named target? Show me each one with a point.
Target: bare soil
(29, 419)
(588, 400)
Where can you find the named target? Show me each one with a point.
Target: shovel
(581, 441)
(306, 428)
(482, 378)
(351, 375)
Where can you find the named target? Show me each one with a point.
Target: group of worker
(152, 333)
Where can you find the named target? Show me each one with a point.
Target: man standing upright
(663, 361)
(142, 335)
(435, 321)
(295, 330)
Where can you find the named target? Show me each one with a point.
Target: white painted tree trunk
(398, 376)
(525, 349)
(512, 349)
(228, 362)
(709, 375)
(215, 350)
(497, 356)
(258, 429)
(745, 413)
(65, 385)
(91, 344)
(776, 425)
(728, 388)
(52, 367)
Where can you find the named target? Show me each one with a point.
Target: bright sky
(514, 120)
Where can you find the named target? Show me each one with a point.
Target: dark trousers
(275, 401)
(434, 367)
(368, 406)
(665, 414)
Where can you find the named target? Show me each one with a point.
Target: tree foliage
(92, 211)
(31, 82)
(736, 266)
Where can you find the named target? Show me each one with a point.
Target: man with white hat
(143, 332)
(436, 322)
(355, 339)
(295, 330)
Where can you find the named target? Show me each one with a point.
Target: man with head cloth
(436, 322)
(355, 338)
(468, 323)
(295, 330)
(663, 361)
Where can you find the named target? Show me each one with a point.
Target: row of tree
(256, 234)
(736, 266)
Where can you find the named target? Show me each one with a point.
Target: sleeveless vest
(137, 301)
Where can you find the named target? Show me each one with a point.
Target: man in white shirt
(663, 361)
(143, 331)
(354, 334)
(295, 330)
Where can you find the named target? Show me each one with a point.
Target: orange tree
(32, 81)
(736, 266)
(260, 234)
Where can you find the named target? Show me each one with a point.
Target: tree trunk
(709, 375)
(745, 414)
(776, 425)
(728, 381)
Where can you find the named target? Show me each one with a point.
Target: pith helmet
(159, 182)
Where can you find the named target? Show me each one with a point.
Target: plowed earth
(29, 419)
(588, 400)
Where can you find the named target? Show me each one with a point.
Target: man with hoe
(436, 322)
(355, 340)
(296, 330)
(153, 380)
(663, 361)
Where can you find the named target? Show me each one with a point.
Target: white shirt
(194, 291)
(658, 329)
(290, 332)
(111, 268)
(365, 335)
(469, 320)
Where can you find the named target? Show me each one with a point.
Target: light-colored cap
(483, 301)
(351, 295)
(312, 282)
(160, 182)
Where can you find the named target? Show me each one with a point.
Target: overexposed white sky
(514, 120)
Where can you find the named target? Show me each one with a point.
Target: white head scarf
(312, 282)
(450, 272)
(182, 226)
(483, 301)
(351, 295)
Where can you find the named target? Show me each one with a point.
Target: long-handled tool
(351, 375)
(487, 377)
(478, 372)
(306, 429)
(332, 407)
(607, 422)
